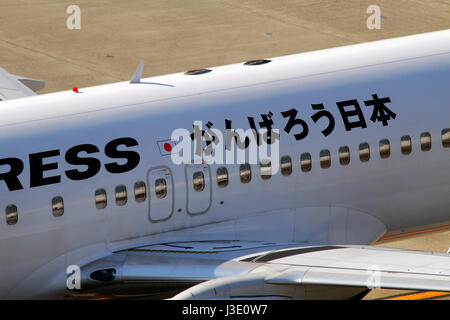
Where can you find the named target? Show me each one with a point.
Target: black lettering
(10, 177)
(93, 164)
(293, 121)
(348, 115)
(37, 168)
(132, 157)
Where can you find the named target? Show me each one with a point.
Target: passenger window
(286, 165)
(11, 214)
(385, 149)
(446, 138)
(425, 141)
(199, 181)
(121, 195)
(222, 177)
(245, 173)
(265, 167)
(325, 159)
(100, 199)
(405, 144)
(364, 152)
(344, 155)
(140, 191)
(305, 162)
(57, 206)
(160, 188)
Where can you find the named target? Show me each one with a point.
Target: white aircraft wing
(13, 87)
(363, 267)
(235, 269)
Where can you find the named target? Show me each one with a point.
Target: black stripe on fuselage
(287, 253)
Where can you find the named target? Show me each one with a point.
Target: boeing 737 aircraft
(92, 199)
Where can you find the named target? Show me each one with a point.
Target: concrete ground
(177, 35)
(438, 241)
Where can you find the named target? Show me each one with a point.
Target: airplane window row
(245, 173)
(384, 148)
(12, 215)
(140, 190)
(121, 196)
(140, 195)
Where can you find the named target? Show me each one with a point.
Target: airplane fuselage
(330, 105)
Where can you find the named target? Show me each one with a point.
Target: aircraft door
(161, 195)
(198, 184)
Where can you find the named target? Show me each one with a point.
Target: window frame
(160, 188)
(445, 137)
(264, 167)
(385, 152)
(121, 195)
(286, 165)
(344, 155)
(325, 158)
(99, 202)
(57, 206)
(222, 177)
(245, 173)
(425, 141)
(198, 181)
(364, 152)
(305, 162)
(140, 191)
(405, 144)
(11, 214)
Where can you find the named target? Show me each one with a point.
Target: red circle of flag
(167, 147)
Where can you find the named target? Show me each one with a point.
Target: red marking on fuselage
(167, 147)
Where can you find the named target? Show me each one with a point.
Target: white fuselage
(353, 204)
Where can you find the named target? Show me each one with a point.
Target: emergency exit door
(198, 184)
(160, 183)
